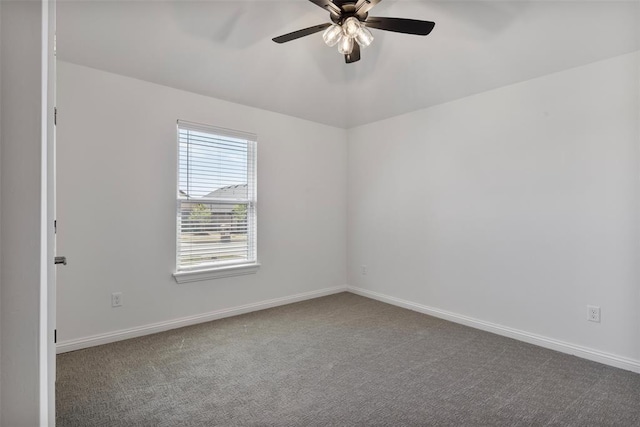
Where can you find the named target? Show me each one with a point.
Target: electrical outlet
(363, 270)
(116, 299)
(593, 313)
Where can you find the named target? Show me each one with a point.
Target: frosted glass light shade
(332, 35)
(350, 27)
(364, 37)
(345, 46)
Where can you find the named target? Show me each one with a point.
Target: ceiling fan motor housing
(348, 9)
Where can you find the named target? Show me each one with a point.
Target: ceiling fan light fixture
(345, 46)
(364, 37)
(350, 27)
(332, 35)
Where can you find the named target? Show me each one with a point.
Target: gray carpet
(339, 360)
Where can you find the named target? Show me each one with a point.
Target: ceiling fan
(349, 28)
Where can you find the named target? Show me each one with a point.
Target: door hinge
(55, 116)
(55, 226)
(55, 336)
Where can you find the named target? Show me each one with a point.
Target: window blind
(216, 197)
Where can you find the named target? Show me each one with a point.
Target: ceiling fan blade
(364, 6)
(327, 5)
(300, 33)
(354, 55)
(400, 25)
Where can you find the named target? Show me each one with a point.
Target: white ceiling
(224, 49)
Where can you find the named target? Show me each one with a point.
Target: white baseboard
(109, 337)
(561, 346)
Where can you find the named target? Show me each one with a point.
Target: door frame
(47, 355)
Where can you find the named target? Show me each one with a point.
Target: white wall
(116, 204)
(517, 206)
(0, 210)
(20, 222)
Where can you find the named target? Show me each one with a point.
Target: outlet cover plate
(116, 299)
(593, 313)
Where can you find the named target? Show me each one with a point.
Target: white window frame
(224, 268)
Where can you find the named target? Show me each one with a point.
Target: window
(216, 200)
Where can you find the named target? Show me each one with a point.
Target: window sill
(216, 273)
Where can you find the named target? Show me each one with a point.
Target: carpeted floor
(339, 360)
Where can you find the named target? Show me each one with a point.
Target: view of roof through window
(212, 166)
